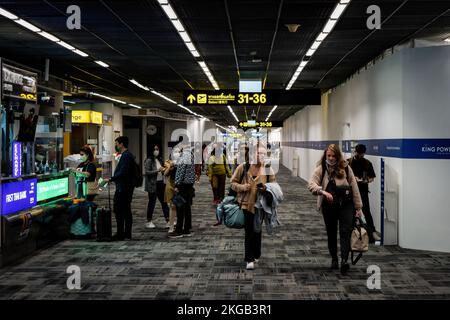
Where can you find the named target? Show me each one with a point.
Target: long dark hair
(87, 150)
(340, 161)
(152, 156)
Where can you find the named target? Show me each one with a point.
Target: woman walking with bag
(335, 185)
(249, 179)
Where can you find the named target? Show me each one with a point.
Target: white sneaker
(256, 260)
(376, 237)
(167, 225)
(171, 229)
(150, 225)
(250, 266)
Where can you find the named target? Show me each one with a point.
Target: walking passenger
(335, 185)
(249, 179)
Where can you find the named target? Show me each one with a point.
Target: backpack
(137, 178)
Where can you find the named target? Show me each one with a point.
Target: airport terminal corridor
(210, 264)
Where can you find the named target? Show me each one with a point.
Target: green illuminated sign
(53, 188)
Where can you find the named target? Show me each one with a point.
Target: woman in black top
(87, 169)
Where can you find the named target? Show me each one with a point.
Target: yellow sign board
(87, 116)
(96, 117)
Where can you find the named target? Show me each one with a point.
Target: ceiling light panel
(169, 11)
(8, 14)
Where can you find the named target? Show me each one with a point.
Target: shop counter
(34, 214)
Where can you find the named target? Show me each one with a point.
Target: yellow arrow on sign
(191, 98)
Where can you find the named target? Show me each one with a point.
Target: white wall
(425, 215)
(406, 95)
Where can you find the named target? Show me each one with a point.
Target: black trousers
(219, 192)
(367, 213)
(122, 211)
(332, 214)
(252, 238)
(160, 189)
(184, 215)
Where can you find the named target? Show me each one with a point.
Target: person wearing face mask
(123, 178)
(248, 179)
(364, 174)
(88, 170)
(335, 185)
(155, 186)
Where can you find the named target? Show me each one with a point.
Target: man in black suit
(123, 178)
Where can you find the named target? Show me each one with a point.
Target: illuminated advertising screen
(52, 189)
(17, 196)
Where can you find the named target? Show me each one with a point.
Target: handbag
(92, 187)
(178, 200)
(359, 241)
(233, 215)
(231, 192)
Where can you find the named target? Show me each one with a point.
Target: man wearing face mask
(364, 174)
(123, 175)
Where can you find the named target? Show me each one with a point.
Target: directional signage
(260, 124)
(265, 98)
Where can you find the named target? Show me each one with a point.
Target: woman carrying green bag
(248, 179)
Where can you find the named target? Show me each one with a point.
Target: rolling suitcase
(104, 228)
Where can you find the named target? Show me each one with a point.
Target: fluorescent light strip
(42, 33)
(81, 53)
(139, 85)
(135, 106)
(310, 52)
(195, 53)
(234, 115)
(322, 36)
(316, 45)
(8, 14)
(67, 101)
(65, 45)
(27, 25)
(177, 24)
(48, 36)
(105, 97)
(190, 46)
(169, 11)
(162, 96)
(184, 36)
(329, 26)
(338, 11)
(271, 111)
(102, 64)
(163, 1)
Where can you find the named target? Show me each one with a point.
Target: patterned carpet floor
(210, 264)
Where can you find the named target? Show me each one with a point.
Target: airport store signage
(17, 159)
(87, 116)
(18, 83)
(264, 98)
(19, 195)
(52, 189)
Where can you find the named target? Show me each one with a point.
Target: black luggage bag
(104, 228)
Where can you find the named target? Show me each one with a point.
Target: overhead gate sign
(264, 98)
